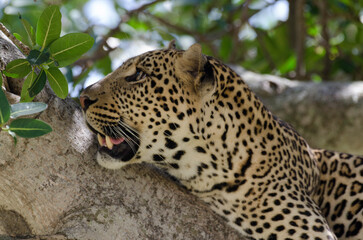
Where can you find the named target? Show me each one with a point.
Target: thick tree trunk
(52, 185)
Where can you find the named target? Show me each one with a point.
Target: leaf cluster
(22, 127)
(49, 52)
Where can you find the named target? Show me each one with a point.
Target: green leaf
(70, 47)
(49, 26)
(57, 82)
(38, 84)
(1, 78)
(29, 128)
(18, 36)
(17, 68)
(4, 108)
(288, 65)
(138, 25)
(36, 57)
(24, 95)
(21, 38)
(29, 31)
(22, 109)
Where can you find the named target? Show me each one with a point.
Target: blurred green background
(298, 39)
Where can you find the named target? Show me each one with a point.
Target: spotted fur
(340, 192)
(193, 116)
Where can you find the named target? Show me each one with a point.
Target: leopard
(193, 117)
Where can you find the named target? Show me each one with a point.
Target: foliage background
(297, 39)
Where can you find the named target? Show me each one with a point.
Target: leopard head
(143, 111)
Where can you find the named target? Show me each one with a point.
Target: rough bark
(52, 187)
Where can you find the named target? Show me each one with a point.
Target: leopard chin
(106, 161)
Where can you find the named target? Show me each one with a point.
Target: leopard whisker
(119, 132)
(123, 130)
(131, 131)
(115, 131)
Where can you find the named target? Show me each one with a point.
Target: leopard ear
(172, 45)
(191, 61)
(191, 67)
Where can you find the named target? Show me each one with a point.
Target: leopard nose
(85, 102)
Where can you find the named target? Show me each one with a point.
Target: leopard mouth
(122, 144)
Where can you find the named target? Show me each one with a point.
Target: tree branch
(201, 38)
(103, 49)
(51, 186)
(24, 48)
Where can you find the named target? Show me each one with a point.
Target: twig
(24, 48)
(300, 39)
(124, 19)
(207, 39)
(103, 49)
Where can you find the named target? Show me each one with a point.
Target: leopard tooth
(109, 144)
(100, 139)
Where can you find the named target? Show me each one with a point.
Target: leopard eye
(136, 77)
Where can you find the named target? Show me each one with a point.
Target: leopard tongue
(113, 141)
(116, 141)
(108, 141)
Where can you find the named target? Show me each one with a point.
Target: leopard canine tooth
(109, 143)
(100, 139)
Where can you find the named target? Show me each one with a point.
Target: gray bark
(52, 187)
